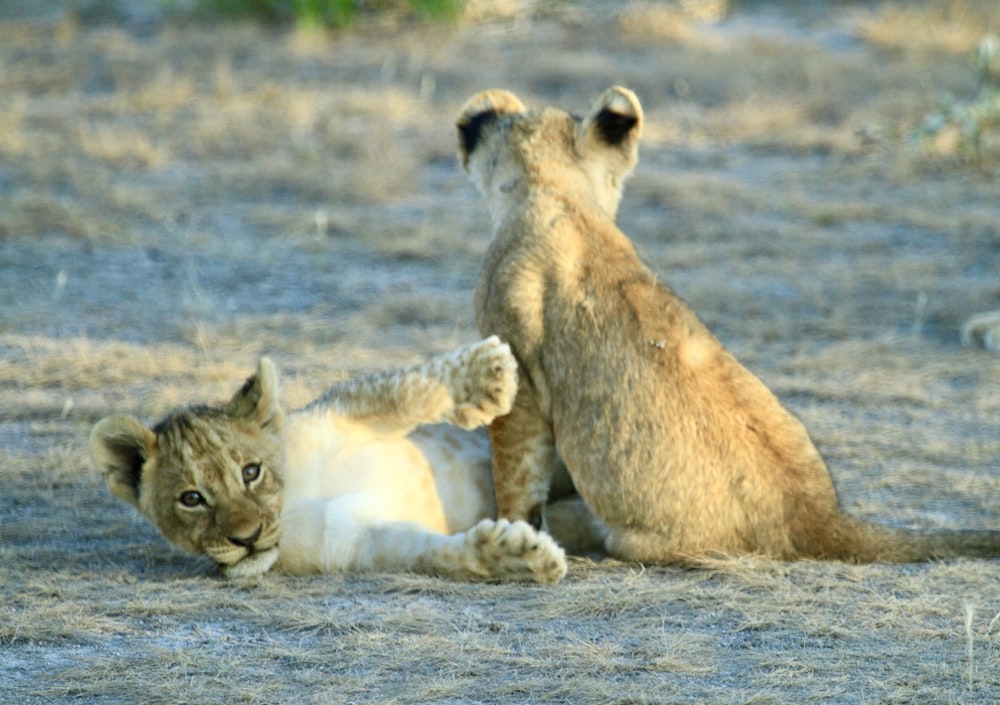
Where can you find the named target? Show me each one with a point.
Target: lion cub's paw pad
(516, 551)
(486, 383)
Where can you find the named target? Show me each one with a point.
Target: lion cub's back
(643, 395)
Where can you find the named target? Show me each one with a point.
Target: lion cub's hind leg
(498, 550)
(482, 380)
(467, 387)
(575, 526)
(490, 550)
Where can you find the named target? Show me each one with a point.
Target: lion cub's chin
(252, 565)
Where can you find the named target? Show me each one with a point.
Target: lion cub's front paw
(515, 551)
(484, 383)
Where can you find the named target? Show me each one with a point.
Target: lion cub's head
(209, 478)
(507, 148)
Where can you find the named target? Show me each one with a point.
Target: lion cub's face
(509, 150)
(209, 478)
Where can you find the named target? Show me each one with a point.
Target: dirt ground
(177, 199)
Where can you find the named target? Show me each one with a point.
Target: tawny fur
(678, 449)
(354, 482)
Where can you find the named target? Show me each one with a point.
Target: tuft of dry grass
(670, 21)
(953, 27)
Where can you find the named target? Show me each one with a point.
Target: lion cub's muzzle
(247, 542)
(246, 551)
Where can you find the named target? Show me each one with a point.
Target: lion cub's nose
(247, 541)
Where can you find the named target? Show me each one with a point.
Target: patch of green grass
(313, 14)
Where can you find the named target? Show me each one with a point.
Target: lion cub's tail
(856, 541)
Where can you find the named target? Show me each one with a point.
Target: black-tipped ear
(471, 130)
(610, 134)
(614, 127)
(480, 112)
(615, 119)
(257, 399)
(120, 447)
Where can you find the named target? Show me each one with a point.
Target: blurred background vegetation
(301, 13)
(327, 13)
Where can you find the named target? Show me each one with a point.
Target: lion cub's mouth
(251, 556)
(255, 561)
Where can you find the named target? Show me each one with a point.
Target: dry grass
(177, 200)
(953, 27)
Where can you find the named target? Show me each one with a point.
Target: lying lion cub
(350, 483)
(677, 448)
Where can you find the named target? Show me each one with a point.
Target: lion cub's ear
(613, 128)
(120, 446)
(257, 399)
(480, 112)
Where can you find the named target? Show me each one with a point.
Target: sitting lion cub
(678, 449)
(349, 483)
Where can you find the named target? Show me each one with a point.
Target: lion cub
(679, 450)
(349, 483)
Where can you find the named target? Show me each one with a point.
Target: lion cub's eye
(251, 472)
(191, 498)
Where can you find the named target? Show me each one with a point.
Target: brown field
(177, 199)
